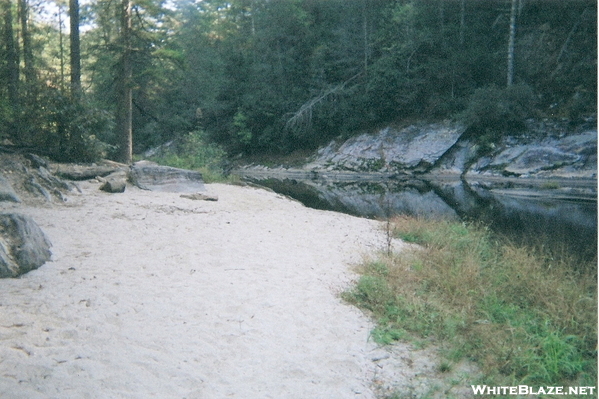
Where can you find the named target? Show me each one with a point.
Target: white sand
(150, 295)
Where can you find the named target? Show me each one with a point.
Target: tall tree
(75, 49)
(511, 43)
(462, 21)
(61, 44)
(12, 55)
(29, 68)
(125, 100)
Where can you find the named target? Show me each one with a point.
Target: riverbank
(578, 188)
(525, 314)
(558, 158)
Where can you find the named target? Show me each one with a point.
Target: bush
(66, 130)
(79, 128)
(497, 111)
(193, 151)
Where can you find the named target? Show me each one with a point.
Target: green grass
(195, 152)
(522, 314)
(550, 185)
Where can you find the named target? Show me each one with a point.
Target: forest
(86, 79)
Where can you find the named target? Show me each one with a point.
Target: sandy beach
(150, 295)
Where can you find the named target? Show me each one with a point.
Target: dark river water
(555, 216)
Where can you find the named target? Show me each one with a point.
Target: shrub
(493, 110)
(55, 125)
(78, 130)
(195, 152)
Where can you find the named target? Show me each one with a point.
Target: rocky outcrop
(7, 193)
(570, 156)
(143, 174)
(416, 147)
(27, 178)
(23, 245)
(545, 149)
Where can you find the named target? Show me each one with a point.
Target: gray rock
(569, 156)
(545, 149)
(115, 182)
(151, 176)
(7, 193)
(23, 245)
(455, 160)
(32, 185)
(20, 182)
(55, 182)
(539, 158)
(37, 161)
(114, 186)
(415, 147)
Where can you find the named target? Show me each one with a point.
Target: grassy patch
(522, 314)
(550, 185)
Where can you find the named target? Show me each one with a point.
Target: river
(545, 213)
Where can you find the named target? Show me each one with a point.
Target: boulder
(151, 176)
(114, 183)
(23, 245)
(37, 161)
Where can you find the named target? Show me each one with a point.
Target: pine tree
(75, 49)
(125, 105)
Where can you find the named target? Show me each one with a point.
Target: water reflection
(522, 214)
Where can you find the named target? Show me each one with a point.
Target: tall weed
(523, 314)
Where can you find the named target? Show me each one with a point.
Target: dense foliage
(275, 76)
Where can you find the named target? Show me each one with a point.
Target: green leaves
(244, 134)
(240, 69)
(495, 110)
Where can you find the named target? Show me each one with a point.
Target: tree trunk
(442, 23)
(26, 37)
(366, 35)
(61, 46)
(12, 56)
(75, 49)
(511, 44)
(462, 21)
(125, 105)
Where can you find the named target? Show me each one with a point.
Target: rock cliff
(543, 149)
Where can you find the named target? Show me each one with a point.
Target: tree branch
(302, 118)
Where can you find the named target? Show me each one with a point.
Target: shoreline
(578, 189)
